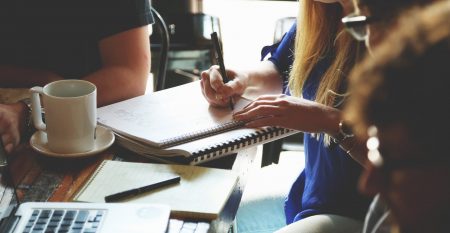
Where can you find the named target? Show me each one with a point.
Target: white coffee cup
(70, 112)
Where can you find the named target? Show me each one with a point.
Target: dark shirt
(63, 36)
(328, 183)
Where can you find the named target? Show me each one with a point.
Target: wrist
(331, 119)
(27, 124)
(241, 82)
(344, 132)
(20, 113)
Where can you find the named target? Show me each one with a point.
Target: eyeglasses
(388, 164)
(356, 25)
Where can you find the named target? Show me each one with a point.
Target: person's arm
(263, 79)
(267, 77)
(299, 114)
(125, 66)
(18, 77)
(356, 149)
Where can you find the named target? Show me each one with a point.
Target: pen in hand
(134, 192)
(219, 57)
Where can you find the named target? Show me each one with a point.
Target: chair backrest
(160, 80)
(281, 27)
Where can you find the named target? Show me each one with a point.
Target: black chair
(190, 50)
(160, 80)
(281, 27)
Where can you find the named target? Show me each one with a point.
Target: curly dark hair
(407, 81)
(389, 9)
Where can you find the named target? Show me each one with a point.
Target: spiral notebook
(178, 125)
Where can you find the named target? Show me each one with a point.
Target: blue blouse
(328, 183)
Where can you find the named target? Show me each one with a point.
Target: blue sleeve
(282, 54)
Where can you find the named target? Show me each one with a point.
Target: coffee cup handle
(36, 108)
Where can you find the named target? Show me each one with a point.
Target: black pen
(134, 192)
(219, 58)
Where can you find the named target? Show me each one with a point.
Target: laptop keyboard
(64, 221)
(180, 226)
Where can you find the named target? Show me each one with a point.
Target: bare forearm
(354, 148)
(126, 66)
(264, 79)
(20, 77)
(117, 83)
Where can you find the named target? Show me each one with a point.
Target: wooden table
(41, 178)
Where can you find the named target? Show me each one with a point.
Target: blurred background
(244, 27)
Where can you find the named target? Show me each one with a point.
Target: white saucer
(104, 139)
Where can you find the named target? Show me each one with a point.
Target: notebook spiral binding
(201, 134)
(237, 143)
(218, 150)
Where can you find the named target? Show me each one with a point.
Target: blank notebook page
(201, 193)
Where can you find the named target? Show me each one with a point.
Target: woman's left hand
(288, 112)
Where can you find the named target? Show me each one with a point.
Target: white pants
(262, 206)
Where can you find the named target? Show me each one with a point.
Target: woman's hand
(12, 118)
(218, 93)
(289, 112)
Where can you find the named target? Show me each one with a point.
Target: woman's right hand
(218, 93)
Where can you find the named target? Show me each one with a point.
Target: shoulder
(121, 15)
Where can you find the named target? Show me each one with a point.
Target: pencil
(219, 58)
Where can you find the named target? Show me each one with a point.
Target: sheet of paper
(201, 193)
(166, 114)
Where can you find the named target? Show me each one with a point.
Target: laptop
(72, 217)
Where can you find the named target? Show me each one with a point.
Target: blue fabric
(328, 184)
(282, 55)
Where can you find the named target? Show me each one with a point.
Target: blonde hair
(320, 34)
